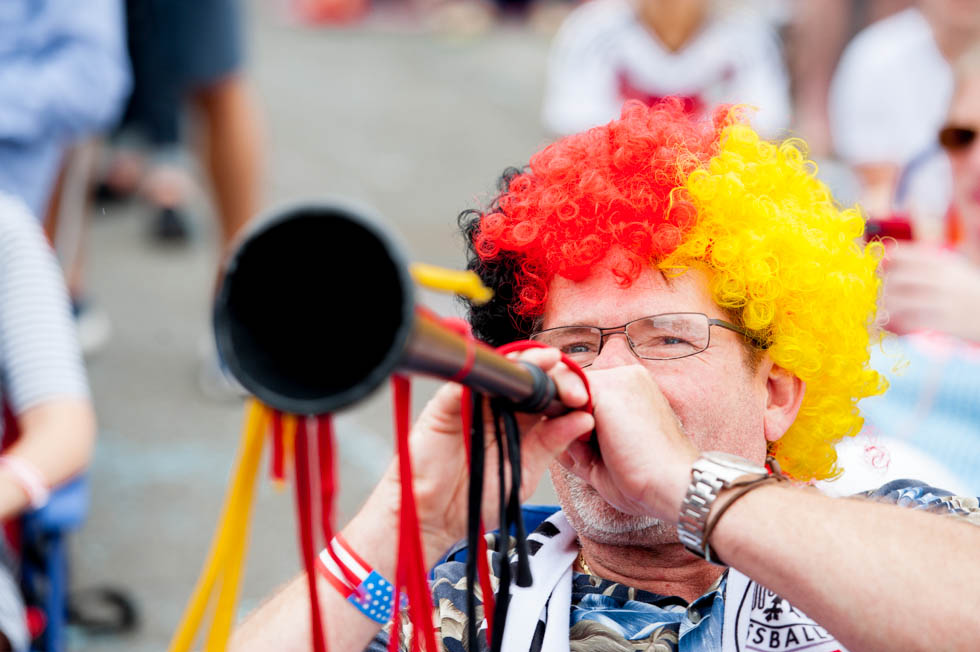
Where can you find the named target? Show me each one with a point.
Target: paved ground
(416, 124)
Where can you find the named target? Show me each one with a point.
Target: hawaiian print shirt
(612, 617)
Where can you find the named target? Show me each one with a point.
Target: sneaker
(92, 325)
(107, 194)
(171, 226)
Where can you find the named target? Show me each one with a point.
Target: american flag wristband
(374, 596)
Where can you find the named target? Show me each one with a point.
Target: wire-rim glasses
(667, 336)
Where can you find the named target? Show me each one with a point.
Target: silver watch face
(733, 462)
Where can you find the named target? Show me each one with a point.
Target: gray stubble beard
(595, 519)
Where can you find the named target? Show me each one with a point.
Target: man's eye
(577, 347)
(665, 342)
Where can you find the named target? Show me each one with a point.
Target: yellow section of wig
(790, 262)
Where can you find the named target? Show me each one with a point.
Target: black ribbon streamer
(475, 498)
(503, 541)
(515, 517)
(507, 436)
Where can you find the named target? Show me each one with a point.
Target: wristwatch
(710, 474)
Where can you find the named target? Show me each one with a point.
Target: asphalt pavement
(417, 124)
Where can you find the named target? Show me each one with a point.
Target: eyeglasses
(956, 139)
(659, 337)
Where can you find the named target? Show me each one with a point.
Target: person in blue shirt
(64, 75)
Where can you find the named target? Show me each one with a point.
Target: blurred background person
(609, 51)
(49, 432)
(64, 77)
(190, 92)
(889, 98)
(816, 33)
(930, 416)
(188, 54)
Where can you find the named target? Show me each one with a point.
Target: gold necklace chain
(583, 563)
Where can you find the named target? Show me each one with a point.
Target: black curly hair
(495, 322)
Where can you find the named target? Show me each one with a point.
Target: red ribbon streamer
(277, 462)
(328, 474)
(328, 485)
(306, 532)
(411, 566)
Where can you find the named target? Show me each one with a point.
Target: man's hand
(930, 289)
(441, 476)
(644, 465)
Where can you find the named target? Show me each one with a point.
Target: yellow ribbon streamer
(227, 553)
(466, 284)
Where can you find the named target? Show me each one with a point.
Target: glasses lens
(664, 337)
(956, 138)
(580, 343)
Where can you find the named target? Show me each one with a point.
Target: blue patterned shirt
(609, 616)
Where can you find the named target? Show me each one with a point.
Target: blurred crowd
(886, 93)
(883, 92)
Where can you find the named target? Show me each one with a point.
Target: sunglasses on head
(956, 139)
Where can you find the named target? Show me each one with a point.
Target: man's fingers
(442, 413)
(578, 459)
(553, 436)
(571, 389)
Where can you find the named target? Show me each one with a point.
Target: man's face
(965, 112)
(718, 396)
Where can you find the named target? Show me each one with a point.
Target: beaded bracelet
(29, 479)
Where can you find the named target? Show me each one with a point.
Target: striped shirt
(40, 358)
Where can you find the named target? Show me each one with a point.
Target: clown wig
(677, 192)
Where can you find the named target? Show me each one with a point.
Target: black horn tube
(316, 308)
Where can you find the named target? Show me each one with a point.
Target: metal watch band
(701, 494)
(710, 474)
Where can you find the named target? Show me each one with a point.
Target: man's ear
(784, 396)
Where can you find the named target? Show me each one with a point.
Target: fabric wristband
(374, 596)
(28, 478)
(737, 492)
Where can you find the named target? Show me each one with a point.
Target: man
(720, 302)
(889, 97)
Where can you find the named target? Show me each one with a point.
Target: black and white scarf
(756, 619)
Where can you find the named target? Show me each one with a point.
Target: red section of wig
(617, 185)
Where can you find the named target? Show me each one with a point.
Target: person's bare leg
(233, 152)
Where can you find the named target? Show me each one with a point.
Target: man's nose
(615, 352)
